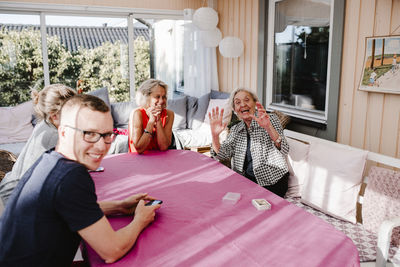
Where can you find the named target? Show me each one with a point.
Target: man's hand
(128, 205)
(144, 215)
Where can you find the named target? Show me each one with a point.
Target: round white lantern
(211, 38)
(205, 18)
(231, 47)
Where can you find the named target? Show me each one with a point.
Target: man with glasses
(55, 205)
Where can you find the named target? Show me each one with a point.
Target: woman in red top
(150, 126)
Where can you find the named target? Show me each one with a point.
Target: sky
(392, 46)
(63, 20)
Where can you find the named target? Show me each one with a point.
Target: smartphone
(99, 169)
(153, 202)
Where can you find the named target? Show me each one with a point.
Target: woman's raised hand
(263, 117)
(216, 124)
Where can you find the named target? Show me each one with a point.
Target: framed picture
(381, 70)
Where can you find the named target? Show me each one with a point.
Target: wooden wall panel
(348, 78)
(148, 4)
(376, 100)
(239, 18)
(366, 119)
(360, 101)
(391, 122)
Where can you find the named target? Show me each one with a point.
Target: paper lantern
(211, 38)
(205, 18)
(231, 47)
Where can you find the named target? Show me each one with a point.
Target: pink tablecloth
(195, 228)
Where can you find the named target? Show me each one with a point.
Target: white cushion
(298, 166)
(334, 181)
(220, 103)
(15, 123)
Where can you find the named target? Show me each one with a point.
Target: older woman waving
(256, 144)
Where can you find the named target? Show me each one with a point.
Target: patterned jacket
(269, 163)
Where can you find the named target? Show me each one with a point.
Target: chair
(7, 160)
(384, 237)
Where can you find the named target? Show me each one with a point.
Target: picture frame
(382, 74)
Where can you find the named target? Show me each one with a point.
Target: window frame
(333, 72)
(89, 11)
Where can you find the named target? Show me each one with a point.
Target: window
(299, 49)
(90, 47)
(169, 49)
(89, 52)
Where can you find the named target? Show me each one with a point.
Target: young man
(55, 205)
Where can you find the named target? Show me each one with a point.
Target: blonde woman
(47, 105)
(150, 126)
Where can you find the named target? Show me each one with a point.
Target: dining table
(196, 226)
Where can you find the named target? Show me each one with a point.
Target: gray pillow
(120, 112)
(191, 110)
(179, 107)
(200, 111)
(101, 93)
(219, 95)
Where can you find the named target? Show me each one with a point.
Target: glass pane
(88, 53)
(21, 65)
(301, 53)
(168, 53)
(143, 50)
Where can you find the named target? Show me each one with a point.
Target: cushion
(381, 199)
(364, 240)
(298, 166)
(334, 181)
(191, 110)
(15, 123)
(120, 112)
(179, 107)
(221, 103)
(102, 93)
(219, 95)
(200, 111)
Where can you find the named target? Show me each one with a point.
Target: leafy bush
(21, 66)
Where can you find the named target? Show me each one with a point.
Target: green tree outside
(21, 66)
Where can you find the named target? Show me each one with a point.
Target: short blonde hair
(145, 90)
(234, 93)
(50, 100)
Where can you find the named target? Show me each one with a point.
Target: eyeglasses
(93, 137)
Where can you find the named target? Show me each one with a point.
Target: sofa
(189, 128)
(345, 187)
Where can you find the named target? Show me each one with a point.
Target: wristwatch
(278, 140)
(145, 131)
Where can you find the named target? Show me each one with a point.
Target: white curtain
(199, 62)
(168, 53)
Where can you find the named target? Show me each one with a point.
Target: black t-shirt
(54, 199)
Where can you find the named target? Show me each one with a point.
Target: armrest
(384, 237)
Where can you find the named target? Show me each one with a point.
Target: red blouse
(153, 145)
